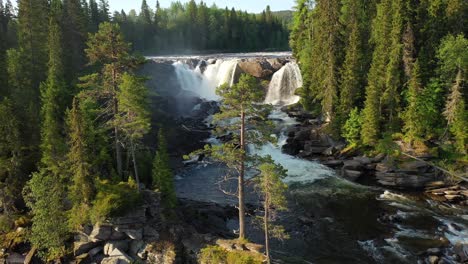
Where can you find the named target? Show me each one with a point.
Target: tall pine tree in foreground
(240, 113)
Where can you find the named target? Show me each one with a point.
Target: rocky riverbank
(309, 140)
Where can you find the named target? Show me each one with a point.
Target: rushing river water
(330, 219)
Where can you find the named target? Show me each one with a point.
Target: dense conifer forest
(382, 76)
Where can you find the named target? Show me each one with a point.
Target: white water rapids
(347, 209)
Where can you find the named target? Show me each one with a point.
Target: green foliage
(114, 199)
(163, 177)
(192, 26)
(10, 156)
(45, 194)
(216, 254)
(352, 127)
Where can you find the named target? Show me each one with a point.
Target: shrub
(114, 199)
(217, 255)
(352, 127)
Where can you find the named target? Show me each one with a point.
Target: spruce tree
(377, 74)
(11, 176)
(352, 73)
(82, 187)
(413, 117)
(327, 53)
(53, 92)
(163, 177)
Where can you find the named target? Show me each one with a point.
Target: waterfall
(283, 85)
(204, 84)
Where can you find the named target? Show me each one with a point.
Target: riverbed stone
(352, 175)
(83, 247)
(101, 232)
(123, 245)
(461, 250)
(15, 258)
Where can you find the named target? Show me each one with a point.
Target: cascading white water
(204, 84)
(283, 85)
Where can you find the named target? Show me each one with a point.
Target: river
(330, 220)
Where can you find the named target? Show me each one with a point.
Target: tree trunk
(267, 235)
(118, 148)
(135, 167)
(241, 180)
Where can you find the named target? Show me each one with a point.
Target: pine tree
(3, 49)
(240, 100)
(163, 177)
(273, 191)
(133, 118)
(108, 48)
(53, 91)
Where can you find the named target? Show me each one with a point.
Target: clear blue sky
(255, 6)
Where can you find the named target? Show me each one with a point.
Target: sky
(254, 6)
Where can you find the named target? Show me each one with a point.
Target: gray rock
(15, 258)
(101, 232)
(434, 251)
(433, 259)
(93, 252)
(461, 250)
(80, 248)
(351, 175)
(117, 235)
(122, 245)
(402, 180)
(150, 233)
(333, 163)
(122, 256)
(254, 247)
(136, 246)
(135, 234)
(329, 151)
(363, 160)
(352, 165)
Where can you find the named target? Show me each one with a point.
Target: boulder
(415, 166)
(352, 165)
(363, 160)
(135, 234)
(291, 148)
(461, 250)
(117, 235)
(136, 247)
(302, 135)
(276, 63)
(150, 233)
(15, 258)
(254, 247)
(402, 180)
(83, 247)
(101, 232)
(332, 163)
(122, 245)
(259, 68)
(433, 259)
(93, 252)
(121, 256)
(351, 175)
